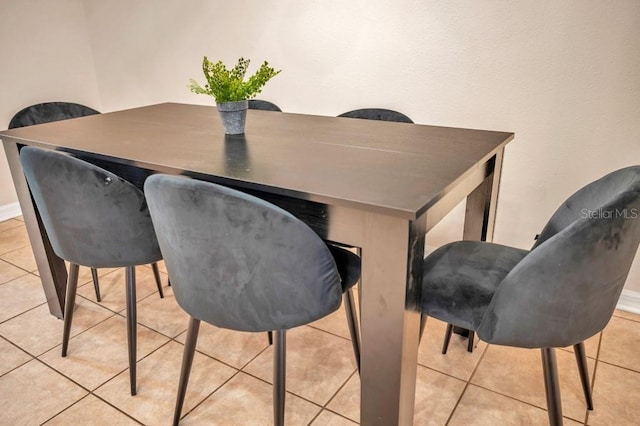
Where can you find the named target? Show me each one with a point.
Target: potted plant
(231, 91)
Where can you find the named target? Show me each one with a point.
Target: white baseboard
(629, 301)
(9, 211)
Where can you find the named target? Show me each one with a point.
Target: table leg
(480, 213)
(52, 270)
(391, 260)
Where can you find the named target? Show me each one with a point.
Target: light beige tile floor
(231, 376)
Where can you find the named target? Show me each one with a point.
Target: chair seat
(460, 279)
(348, 264)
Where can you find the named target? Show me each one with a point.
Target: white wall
(563, 75)
(46, 56)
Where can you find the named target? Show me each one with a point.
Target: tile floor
(230, 383)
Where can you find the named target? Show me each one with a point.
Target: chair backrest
(57, 111)
(377, 114)
(566, 289)
(48, 112)
(263, 105)
(237, 261)
(589, 199)
(92, 217)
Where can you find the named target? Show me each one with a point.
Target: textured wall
(46, 56)
(564, 76)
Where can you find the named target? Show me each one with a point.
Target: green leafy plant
(229, 85)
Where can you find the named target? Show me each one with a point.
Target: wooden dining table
(372, 185)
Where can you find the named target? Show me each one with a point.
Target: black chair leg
(423, 325)
(352, 321)
(552, 386)
(447, 338)
(96, 284)
(156, 274)
(279, 376)
(187, 362)
(470, 343)
(270, 337)
(583, 369)
(69, 304)
(131, 325)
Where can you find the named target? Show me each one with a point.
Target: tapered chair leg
(470, 342)
(96, 284)
(447, 338)
(187, 362)
(131, 325)
(423, 325)
(583, 369)
(279, 376)
(270, 337)
(69, 304)
(352, 321)
(552, 386)
(156, 274)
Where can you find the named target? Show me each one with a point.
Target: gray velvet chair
(48, 112)
(241, 263)
(92, 218)
(558, 294)
(263, 105)
(377, 114)
(56, 111)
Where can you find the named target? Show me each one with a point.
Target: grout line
(315, 327)
(325, 406)
(219, 360)
(12, 250)
(15, 225)
(637, 319)
(183, 414)
(287, 391)
(333, 412)
(116, 408)
(626, 319)
(340, 388)
(92, 392)
(85, 397)
(76, 382)
(19, 365)
(564, 415)
(455, 407)
(442, 372)
(15, 266)
(620, 366)
(23, 312)
(504, 394)
(86, 329)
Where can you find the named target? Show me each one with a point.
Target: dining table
(375, 186)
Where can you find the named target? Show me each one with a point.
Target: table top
(396, 169)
